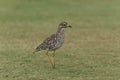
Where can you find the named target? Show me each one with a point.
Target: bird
(53, 42)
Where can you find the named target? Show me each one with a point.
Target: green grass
(91, 50)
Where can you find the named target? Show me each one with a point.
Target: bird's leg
(53, 54)
(49, 59)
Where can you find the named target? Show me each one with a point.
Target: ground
(91, 50)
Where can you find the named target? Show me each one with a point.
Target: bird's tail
(37, 49)
(34, 51)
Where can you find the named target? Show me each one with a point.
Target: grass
(91, 49)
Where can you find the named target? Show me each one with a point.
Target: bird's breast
(60, 40)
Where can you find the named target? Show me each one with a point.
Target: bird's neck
(60, 30)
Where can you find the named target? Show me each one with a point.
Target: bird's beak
(69, 26)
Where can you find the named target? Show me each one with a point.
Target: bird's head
(64, 25)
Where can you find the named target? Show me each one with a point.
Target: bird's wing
(47, 44)
(50, 41)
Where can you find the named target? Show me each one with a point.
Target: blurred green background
(91, 50)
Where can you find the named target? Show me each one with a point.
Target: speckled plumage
(54, 42)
